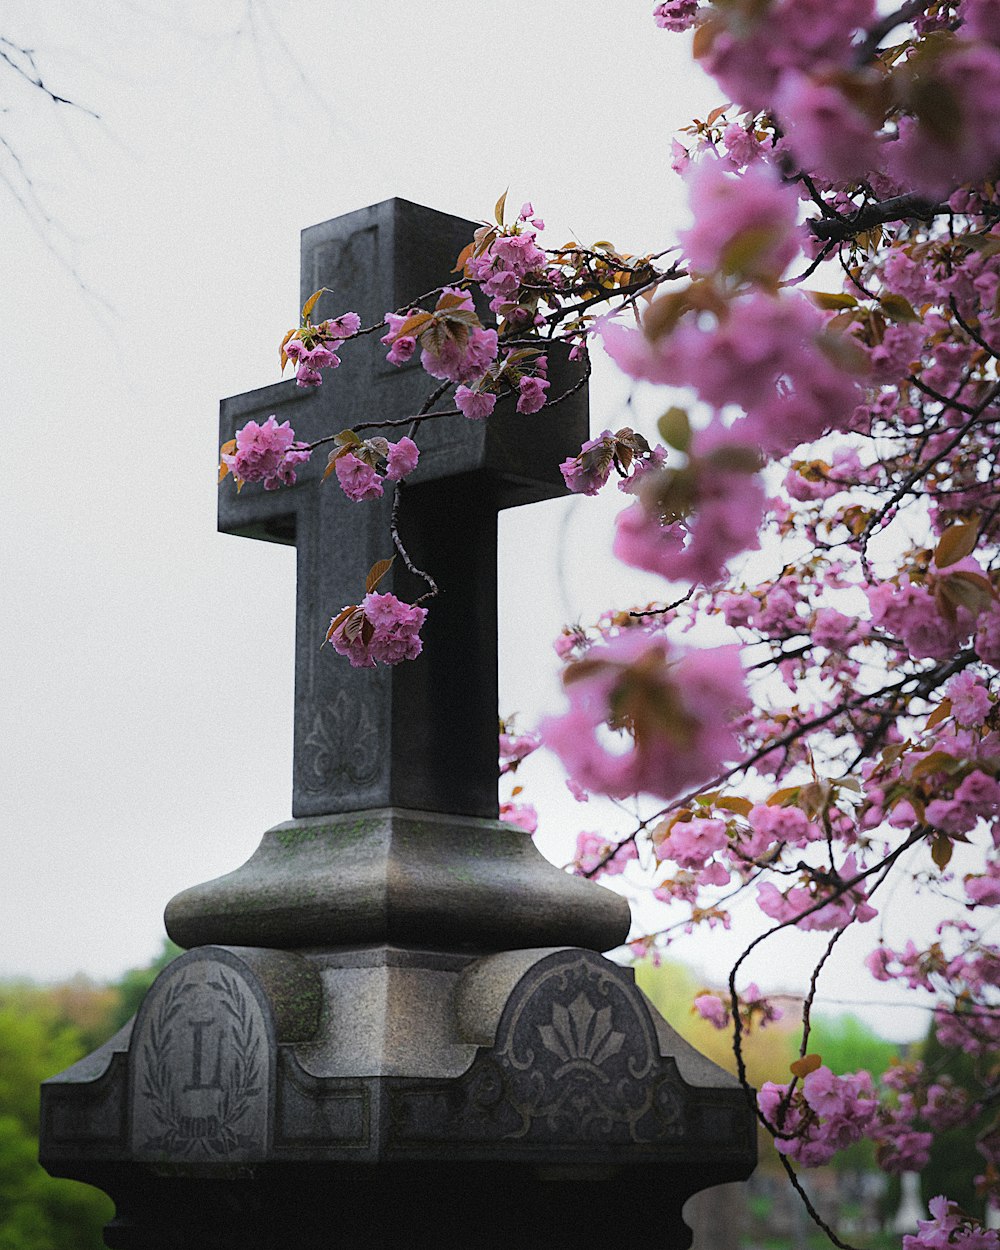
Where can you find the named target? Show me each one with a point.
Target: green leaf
(675, 428)
(498, 210)
(734, 803)
(735, 459)
(898, 308)
(830, 301)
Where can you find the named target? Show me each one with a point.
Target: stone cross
(396, 994)
(421, 735)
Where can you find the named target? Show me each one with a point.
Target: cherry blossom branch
(898, 208)
(397, 542)
(904, 14)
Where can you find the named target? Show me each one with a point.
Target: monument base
(268, 1098)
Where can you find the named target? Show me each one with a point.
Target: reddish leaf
(805, 1065)
(377, 571)
(498, 210)
(940, 713)
(412, 325)
(226, 449)
(450, 301)
(957, 542)
(464, 256)
(281, 350)
(355, 624)
(311, 303)
(941, 849)
(339, 620)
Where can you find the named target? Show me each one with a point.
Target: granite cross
(421, 735)
(406, 999)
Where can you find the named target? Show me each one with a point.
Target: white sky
(146, 660)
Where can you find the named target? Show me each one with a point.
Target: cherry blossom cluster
(753, 1007)
(264, 453)
(515, 748)
(949, 1229)
(380, 630)
(826, 337)
(671, 711)
(363, 465)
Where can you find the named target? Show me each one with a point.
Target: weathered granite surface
(403, 877)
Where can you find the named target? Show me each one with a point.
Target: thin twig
(403, 553)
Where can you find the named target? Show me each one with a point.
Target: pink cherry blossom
(749, 55)
(675, 15)
(358, 480)
(402, 459)
(802, 907)
(691, 843)
(523, 815)
(476, 405)
(948, 1230)
(827, 133)
(462, 361)
(585, 473)
(531, 394)
(516, 747)
(595, 855)
(970, 699)
(727, 511)
(664, 754)
(745, 225)
(389, 636)
(711, 1008)
(910, 612)
(266, 453)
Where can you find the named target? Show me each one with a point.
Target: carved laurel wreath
(218, 1133)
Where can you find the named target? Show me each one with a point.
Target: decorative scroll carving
(575, 1059)
(342, 745)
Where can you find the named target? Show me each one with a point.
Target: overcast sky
(147, 660)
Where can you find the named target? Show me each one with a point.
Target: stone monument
(393, 1024)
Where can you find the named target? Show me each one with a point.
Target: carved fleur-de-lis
(579, 1034)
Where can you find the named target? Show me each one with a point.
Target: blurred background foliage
(44, 1029)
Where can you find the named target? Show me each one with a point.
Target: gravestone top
(421, 735)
